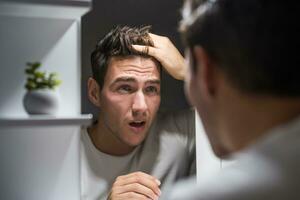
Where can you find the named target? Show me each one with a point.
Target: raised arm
(167, 54)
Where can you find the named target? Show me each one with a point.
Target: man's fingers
(151, 51)
(155, 38)
(144, 176)
(141, 49)
(137, 188)
(153, 185)
(128, 195)
(140, 178)
(133, 196)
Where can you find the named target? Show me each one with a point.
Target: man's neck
(105, 141)
(252, 118)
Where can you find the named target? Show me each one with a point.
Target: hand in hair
(167, 54)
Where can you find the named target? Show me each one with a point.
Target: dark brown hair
(254, 42)
(118, 42)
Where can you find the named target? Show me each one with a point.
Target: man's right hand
(137, 185)
(167, 54)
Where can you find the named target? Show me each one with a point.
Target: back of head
(254, 42)
(118, 42)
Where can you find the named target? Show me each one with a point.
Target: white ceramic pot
(41, 102)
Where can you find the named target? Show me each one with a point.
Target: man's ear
(205, 75)
(94, 92)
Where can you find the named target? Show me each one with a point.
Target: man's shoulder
(180, 119)
(179, 114)
(217, 187)
(254, 176)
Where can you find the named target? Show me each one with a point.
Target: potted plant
(41, 96)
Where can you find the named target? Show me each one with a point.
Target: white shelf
(44, 120)
(58, 9)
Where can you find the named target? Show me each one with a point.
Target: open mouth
(137, 124)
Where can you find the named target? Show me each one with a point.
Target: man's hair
(118, 42)
(254, 42)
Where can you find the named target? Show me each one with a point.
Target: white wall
(207, 162)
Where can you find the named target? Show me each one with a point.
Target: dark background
(163, 15)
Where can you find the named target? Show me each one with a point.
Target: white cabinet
(40, 155)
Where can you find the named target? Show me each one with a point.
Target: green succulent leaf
(39, 74)
(40, 80)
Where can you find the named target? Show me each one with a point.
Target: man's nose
(139, 105)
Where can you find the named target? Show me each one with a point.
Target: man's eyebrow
(124, 79)
(131, 79)
(154, 81)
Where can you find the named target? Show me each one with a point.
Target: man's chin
(135, 140)
(135, 136)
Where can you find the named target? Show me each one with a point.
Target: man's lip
(137, 125)
(137, 121)
(142, 123)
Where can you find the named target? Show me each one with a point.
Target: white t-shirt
(268, 169)
(168, 153)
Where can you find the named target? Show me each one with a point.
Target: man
(132, 153)
(244, 81)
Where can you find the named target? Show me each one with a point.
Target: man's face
(130, 98)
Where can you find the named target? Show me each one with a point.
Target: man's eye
(125, 89)
(152, 90)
